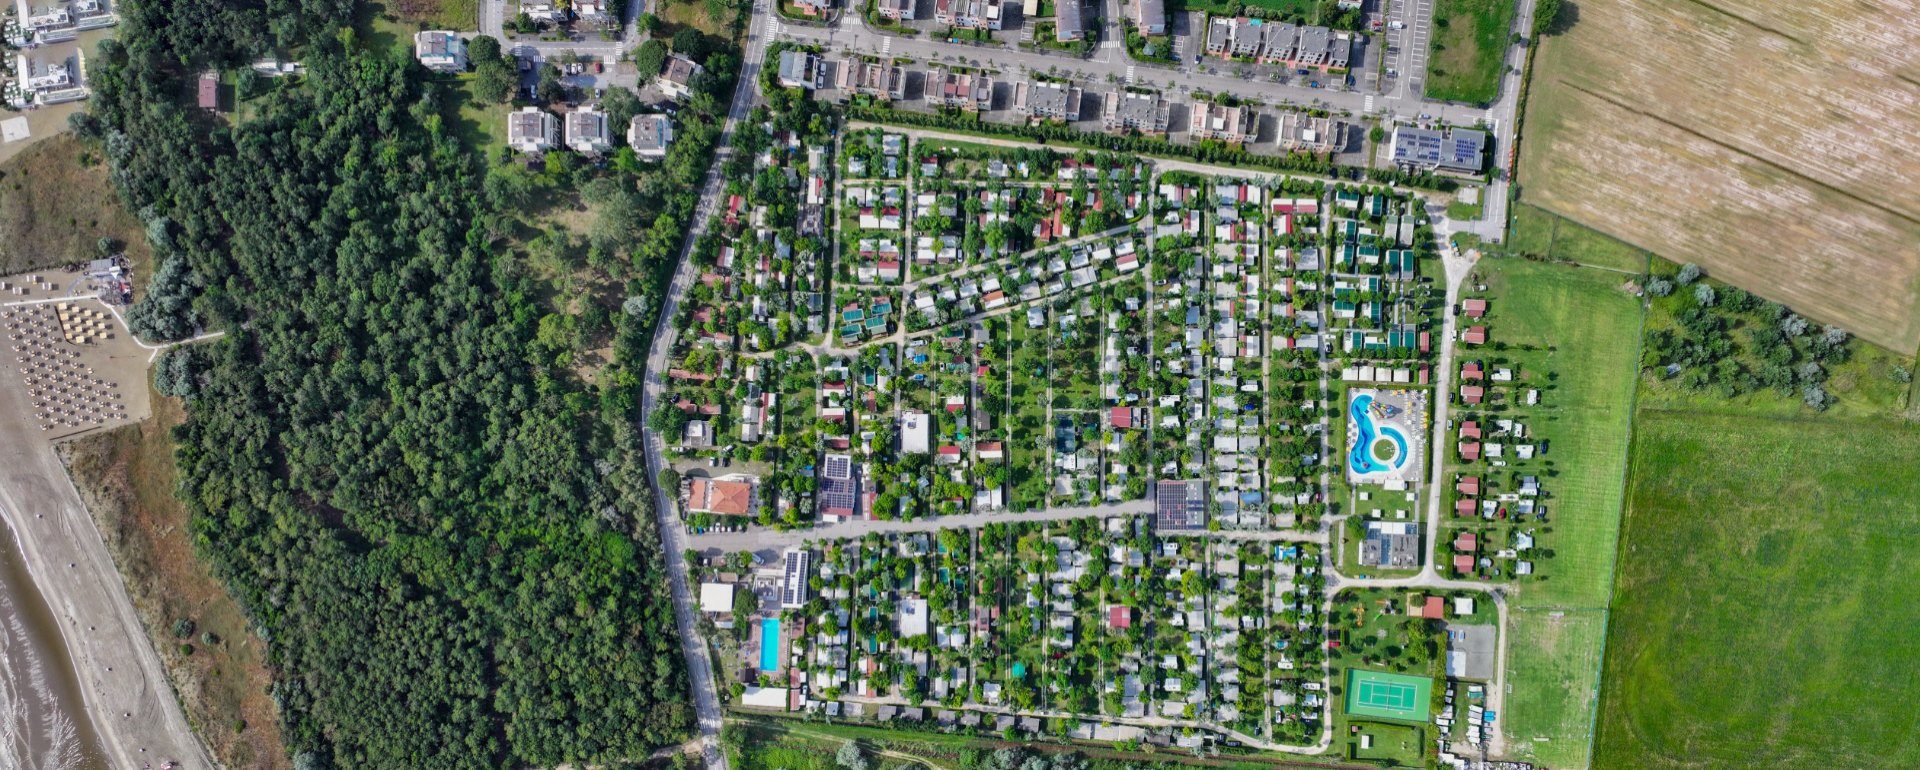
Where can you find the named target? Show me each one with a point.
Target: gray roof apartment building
(1068, 22)
(1233, 125)
(1150, 16)
(1146, 113)
(1303, 132)
(1047, 101)
(1272, 42)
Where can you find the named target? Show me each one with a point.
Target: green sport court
(1388, 696)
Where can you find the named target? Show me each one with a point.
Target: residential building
(895, 9)
(676, 81)
(1068, 22)
(814, 7)
(1305, 133)
(1323, 48)
(532, 130)
(440, 51)
(959, 90)
(1233, 125)
(207, 94)
(970, 14)
(587, 131)
(877, 79)
(1454, 150)
(916, 433)
(728, 495)
(839, 488)
(1047, 101)
(799, 69)
(1146, 113)
(1150, 16)
(1391, 544)
(649, 136)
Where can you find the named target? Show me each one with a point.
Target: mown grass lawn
(1554, 670)
(1764, 614)
(1469, 44)
(1582, 330)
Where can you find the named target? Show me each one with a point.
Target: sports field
(1774, 143)
(1554, 668)
(1764, 614)
(1382, 695)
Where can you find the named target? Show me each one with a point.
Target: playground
(1382, 695)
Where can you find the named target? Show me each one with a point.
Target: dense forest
(443, 534)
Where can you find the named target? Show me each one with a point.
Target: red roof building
(1467, 485)
(1463, 564)
(1122, 416)
(1474, 308)
(1466, 541)
(1474, 335)
(1470, 429)
(1470, 372)
(1472, 394)
(732, 498)
(1469, 450)
(1463, 507)
(1434, 608)
(1119, 617)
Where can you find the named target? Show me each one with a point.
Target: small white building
(532, 131)
(676, 81)
(649, 136)
(440, 51)
(587, 131)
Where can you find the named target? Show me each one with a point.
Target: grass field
(55, 206)
(1537, 231)
(127, 477)
(1646, 121)
(1555, 662)
(1470, 39)
(1585, 330)
(1763, 616)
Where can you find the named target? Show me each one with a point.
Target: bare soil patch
(1777, 145)
(127, 478)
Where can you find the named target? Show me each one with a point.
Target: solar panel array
(1178, 505)
(793, 580)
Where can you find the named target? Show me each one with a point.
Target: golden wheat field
(1775, 143)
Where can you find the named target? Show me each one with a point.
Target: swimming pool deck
(1406, 428)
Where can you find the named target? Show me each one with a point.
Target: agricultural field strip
(1684, 154)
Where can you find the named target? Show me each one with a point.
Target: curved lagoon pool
(1360, 458)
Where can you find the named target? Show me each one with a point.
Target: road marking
(886, 45)
(1129, 74)
(1368, 105)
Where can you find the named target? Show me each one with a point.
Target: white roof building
(716, 597)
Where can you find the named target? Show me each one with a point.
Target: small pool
(770, 644)
(1361, 458)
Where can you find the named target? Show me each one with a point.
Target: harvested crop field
(1776, 144)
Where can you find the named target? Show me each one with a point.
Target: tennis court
(1388, 696)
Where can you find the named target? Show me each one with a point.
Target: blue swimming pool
(1360, 458)
(770, 644)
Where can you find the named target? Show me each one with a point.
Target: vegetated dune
(55, 208)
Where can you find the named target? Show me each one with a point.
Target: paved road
(672, 535)
(126, 693)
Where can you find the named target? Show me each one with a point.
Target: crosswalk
(886, 45)
(1129, 74)
(774, 27)
(1367, 106)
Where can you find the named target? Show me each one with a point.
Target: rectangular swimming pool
(770, 644)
